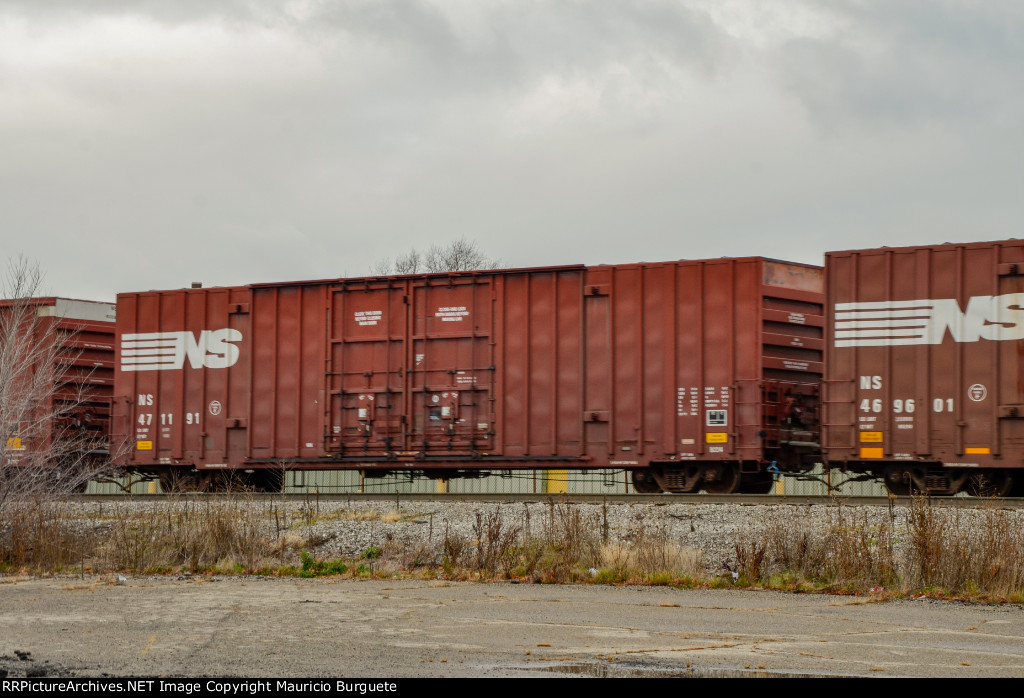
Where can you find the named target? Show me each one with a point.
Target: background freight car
(59, 383)
(693, 374)
(924, 383)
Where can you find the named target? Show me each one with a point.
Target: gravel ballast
(346, 529)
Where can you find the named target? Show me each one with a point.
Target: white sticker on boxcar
(452, 313)
(368, 317)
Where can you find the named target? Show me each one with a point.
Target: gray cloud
(147, 145)
(908, 64)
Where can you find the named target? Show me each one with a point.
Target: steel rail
(517, 498)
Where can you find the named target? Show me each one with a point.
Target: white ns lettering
(162, 351)
(892, 323)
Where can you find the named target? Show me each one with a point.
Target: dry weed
(965, 552)
(652, 557)
(847, 551)
(42, 535)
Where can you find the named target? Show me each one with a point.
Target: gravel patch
(713, 529)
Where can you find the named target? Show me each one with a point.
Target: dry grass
(848, 552)
(365, 515)
(41, 535)
(939, 551)
(981, 553)
(565, 545)
(232, 534)
(652, 559)
(197, 535)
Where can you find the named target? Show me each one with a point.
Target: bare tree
(409, 263)
(44, 448)
(458, 255)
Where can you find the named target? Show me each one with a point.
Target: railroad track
(517, 498)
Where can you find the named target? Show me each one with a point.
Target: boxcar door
(366, 375)
(451, 368)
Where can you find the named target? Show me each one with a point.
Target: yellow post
(558, 482)
(442, 485)
(780, 486)
(151, 487)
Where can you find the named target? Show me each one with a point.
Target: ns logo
(167, 351)
(928, 321)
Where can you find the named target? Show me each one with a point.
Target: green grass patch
(311, 567)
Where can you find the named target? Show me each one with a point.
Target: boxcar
(59, 365)
(924, 383)
(691, 374)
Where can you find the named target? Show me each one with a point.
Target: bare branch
(49, 443)
(458, 255)
(409, 263)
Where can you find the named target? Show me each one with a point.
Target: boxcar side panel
(538, 371)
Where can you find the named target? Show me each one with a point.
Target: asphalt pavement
(258, 627)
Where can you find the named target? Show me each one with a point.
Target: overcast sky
(149, 144)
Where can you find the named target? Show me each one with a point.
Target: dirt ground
(259, 627)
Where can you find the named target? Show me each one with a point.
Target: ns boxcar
(924, 382)
(693, 375)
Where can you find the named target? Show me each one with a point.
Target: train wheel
(897, 481)
(644, 482)
(990, 483)
(900, 489)
(904, 481)
(726, 479)
(756, 483)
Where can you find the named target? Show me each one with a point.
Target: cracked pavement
(253, 627)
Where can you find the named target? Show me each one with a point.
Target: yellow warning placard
(871, 453)
(14, 444)
(717, 438)
(977, 451)
(144, 446)
(871, 437)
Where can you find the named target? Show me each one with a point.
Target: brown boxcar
(57, 414)
(924, 384)
(691, 374)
